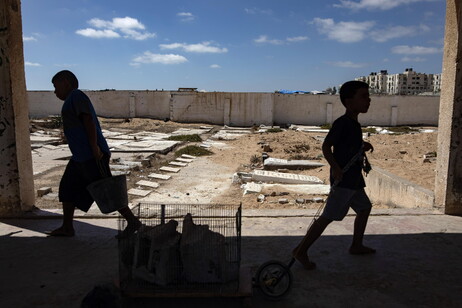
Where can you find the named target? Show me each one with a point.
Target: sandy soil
(402, 155)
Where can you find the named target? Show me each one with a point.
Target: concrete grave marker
(139, 192)
(288, 178)
(147, 183)
(276, 163)
(170, 169)
(159, 176)
(177, 163)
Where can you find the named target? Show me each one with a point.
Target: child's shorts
(341, 199)
(76, 178)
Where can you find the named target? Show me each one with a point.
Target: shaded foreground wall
(244, 109)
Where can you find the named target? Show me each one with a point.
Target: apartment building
(407, 83)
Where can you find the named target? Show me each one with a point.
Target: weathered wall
(385, 188)
(245, 109)
(16, 176)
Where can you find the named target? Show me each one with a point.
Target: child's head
(355, 95)
(64, 82)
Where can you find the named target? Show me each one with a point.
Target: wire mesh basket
(180, 249)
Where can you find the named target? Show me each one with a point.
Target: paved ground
(417, 263)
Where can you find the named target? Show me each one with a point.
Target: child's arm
(337, 172)
(90, 128)
(368, 147)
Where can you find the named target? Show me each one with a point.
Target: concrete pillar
(329, 114)
(394, 116)
(132, 105)
(448, 182)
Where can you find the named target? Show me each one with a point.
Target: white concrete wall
(245, 109)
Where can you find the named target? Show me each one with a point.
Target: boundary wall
(244, 109)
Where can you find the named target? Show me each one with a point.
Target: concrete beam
(448, 182)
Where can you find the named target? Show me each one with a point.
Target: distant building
(407, 83)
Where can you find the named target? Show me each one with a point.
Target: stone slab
(276, 163)
(188, 156)
(139, 192)
(252, 188)
(157, 146)
(185, 160)
(159, 176)
(177, 163)
(169, 169)
(287, 178)
(147, 183)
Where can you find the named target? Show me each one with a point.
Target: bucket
(110, 194)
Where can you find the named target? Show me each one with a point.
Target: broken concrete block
(283, 201)
(252, 188)
(288, 178)
(300, 201)
(159, 176)
(148, 184)
(261, 198)
(43, 191)
(275, 163)
(169, 169)
(203, 255)
(157, 254)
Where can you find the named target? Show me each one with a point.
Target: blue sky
(223, 45)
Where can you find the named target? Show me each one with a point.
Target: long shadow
(408, 270)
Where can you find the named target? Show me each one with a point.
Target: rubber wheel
(274, 279)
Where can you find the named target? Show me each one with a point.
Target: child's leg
(360, 224)
(362, 206)
(315, 231)
(67, 228)
(133, 223)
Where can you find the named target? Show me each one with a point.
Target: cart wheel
(274, 279)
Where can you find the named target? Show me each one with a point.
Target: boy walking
(90, 154)
(343, 149)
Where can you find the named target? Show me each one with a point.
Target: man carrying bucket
(90, 155)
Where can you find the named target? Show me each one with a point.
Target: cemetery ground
(407, 152)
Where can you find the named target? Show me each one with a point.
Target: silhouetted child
(89, 152)
(344, 146)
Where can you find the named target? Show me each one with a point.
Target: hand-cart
(184, 250)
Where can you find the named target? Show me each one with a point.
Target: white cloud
(254, 11)
(89, 32)
(203, 47)
(28, 38)
(127, 27)
(392, 33)
(344, 31)
(415, 50)
(149, 58)
(297, 39)
(186, 16)
(32, 64)
(375, 4)
(263, 39)
(347, 64)
(215, 66)
(416, 59)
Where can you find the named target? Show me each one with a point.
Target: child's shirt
(76, 104)
(347, 140)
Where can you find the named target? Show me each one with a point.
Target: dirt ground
(400, 154)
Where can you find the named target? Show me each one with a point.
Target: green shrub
(193, 150)
(189, 138)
